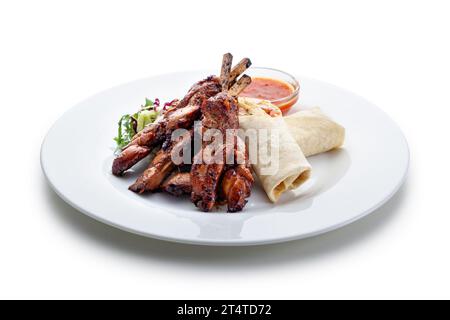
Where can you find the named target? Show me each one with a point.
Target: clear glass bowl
(284, 103)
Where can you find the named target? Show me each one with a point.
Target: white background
(56, 53)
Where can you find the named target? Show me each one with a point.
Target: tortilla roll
(288, 168)
(315, 132)
(312, 131)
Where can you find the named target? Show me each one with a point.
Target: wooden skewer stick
(225, 71)
(238, 69)
(240, 85)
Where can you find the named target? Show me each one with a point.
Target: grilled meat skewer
(212, 178)
(236, 187)
(156, 172)
(237, 181)
(178, 183)
(219, 113)
(161, 165)
(129, 157)
(182, 116)
(153, 134)
(201, 91)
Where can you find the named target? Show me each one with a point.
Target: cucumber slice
(145, 117)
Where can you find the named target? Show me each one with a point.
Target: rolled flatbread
(315, 132)
(312, 131)
(278, 162)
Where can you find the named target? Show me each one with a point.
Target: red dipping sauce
(276, 91)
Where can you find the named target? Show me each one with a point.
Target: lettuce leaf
(125, 132)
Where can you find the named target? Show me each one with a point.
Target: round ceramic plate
(345, 185)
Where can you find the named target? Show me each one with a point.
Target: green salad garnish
(129, 125)
(125, 131)
(145, 117)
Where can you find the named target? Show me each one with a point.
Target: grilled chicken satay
(161, 165)
(183, 116)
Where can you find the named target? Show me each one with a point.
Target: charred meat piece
(161, 165)
(217, 174)
(237, 180)
(205, 182)
(152, 177)
(149, 135)
(178, 183)
(220, 113)
(201, 91)
(154, 134)
(183, 116)
(236, 187)
(138, 149)
(129, 157)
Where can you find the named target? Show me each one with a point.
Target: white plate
(346, 184)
